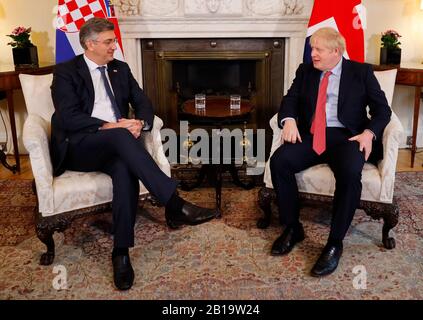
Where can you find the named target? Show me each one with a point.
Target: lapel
(84, 72)
(314, 89)
(346, 79)
(113, 73)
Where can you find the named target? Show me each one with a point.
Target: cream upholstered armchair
(318, 183)
(73, 194)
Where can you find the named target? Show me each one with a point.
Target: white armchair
(318, 183)
(73, 194)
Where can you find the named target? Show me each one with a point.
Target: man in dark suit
(91, 132)
(324, 120)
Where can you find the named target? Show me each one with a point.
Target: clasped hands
(291, 134)
(134, 126)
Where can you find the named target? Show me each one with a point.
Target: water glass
(235, 103)
(200, 101)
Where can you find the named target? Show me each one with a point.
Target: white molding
(214, 19)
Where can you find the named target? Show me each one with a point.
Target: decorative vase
(25, 57)
(390, 55)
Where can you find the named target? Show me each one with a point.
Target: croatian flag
(346, 16)
(71, 15)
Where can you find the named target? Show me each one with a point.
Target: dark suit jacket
(358, 89)
(73, 98)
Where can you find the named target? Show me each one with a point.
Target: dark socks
(120, 252)
(175, 203)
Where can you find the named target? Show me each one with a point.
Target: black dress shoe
(287, 240)
(328, 261)
(189, 214)
(123, 274)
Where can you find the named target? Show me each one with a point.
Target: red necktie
(318, 127)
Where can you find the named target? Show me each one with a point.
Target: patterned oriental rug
(226, 258)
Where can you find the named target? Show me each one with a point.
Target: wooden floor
(403, 164)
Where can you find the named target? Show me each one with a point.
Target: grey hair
(91, 28)
(333, 39)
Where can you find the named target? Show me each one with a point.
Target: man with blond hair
(324, 120)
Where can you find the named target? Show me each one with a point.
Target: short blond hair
(332, 38)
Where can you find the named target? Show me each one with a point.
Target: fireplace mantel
(214, 19)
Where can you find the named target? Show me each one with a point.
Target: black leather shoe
(328, 261)
(287, 240)
(190, 214)
(123, 274)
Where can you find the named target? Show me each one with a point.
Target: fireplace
(213, 78)
(174, 70)
(258, 43)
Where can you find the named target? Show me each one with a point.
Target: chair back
(37, 94)
(386, 79)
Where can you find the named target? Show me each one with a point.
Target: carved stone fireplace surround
(144, 19)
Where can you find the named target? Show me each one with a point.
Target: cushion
(386, 80)
(37, 94)
(320, 180)
(76, 190)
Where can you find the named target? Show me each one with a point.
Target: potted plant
(24, 52)
(390, 52)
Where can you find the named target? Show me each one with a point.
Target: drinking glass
(200, 101)
(235, 103)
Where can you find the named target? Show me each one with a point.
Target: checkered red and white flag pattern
(72, 14)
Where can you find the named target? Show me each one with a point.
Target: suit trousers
(124, 158)
(344, 159)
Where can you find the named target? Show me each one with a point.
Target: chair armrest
(276, 143)
(36, 140)
(154, 146)
(392, 136)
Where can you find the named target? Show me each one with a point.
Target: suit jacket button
(67, 139)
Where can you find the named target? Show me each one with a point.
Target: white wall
(39, 15)
(401, 15)
(405, 17)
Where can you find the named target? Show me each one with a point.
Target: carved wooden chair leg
(390, 220)
(265, 200)
(45, 234)
(45, 227)
(389, 214)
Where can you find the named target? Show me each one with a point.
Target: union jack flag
(71, 15)
(346, 16)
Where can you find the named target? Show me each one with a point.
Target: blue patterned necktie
(109, 92)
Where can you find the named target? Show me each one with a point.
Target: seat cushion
(75, 190)
(320, 180)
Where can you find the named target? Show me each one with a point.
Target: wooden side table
(9, 81)
(218, 114)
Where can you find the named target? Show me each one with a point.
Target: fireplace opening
(174, 70)
(215, 78)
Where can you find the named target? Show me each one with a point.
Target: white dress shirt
(102, 105)
(332, 94)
